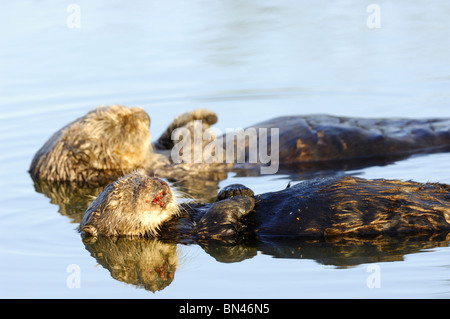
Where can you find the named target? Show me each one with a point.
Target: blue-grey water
(247, 61)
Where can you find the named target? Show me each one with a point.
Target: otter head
(134, 205)
(118, 136)
(106, 141)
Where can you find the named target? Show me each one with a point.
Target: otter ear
(89, 230)
(224, 218)
(207, 117)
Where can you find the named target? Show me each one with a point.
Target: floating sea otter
(109, 142)
(138, 205)
(105, 144)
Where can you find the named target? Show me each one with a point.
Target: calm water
(247, 61)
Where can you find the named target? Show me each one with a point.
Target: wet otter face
(135, 205)
(152, 194)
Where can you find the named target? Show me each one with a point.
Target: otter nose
(162, 189)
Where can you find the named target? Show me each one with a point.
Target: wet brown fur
(109, 142)
(389, 206)
(353, 206)
(319, 138)
(103, 145)
(135, 205)
(345, 206)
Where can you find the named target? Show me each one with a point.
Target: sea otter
(137, 205)
(109, 142)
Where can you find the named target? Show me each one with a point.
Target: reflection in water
(339, 252)
(72, 199)
(347, 251)
(151, 263)
(146, 263)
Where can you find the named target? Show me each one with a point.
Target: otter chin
(134, 205)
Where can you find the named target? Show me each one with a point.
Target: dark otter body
(323, 208)
(109, 142)
(343, 206)
(321, 138)
(352, 206)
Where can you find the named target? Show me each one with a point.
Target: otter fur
(105, 144)
(109, 142)
(134, 205)
(344, 206)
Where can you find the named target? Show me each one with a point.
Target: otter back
(352, 206)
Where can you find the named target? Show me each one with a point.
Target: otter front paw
(224, 218)
(207, 117)
(234, 190)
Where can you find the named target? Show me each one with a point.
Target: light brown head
(106, 143)
(134, 205)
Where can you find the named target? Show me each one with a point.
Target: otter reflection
(352, 251)
(341, 252)
(151, 263)
(71, 198)
(146, 263)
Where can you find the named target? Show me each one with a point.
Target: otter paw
(234, 190)
(89, 230)
(186, 120)
(224, 218)
(207, 116)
